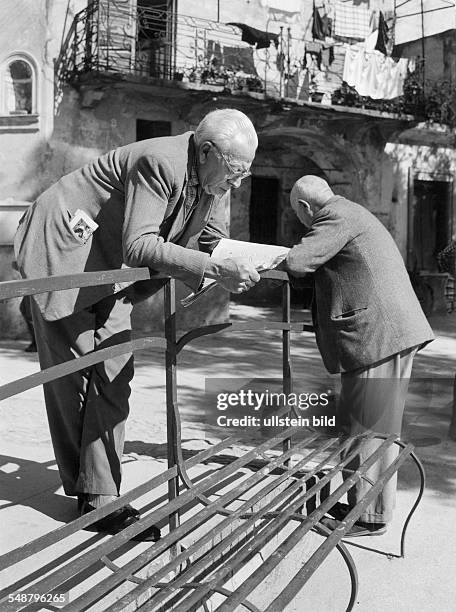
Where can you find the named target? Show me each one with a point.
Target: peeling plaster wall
(32, 27)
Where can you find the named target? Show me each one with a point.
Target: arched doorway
(260, 210)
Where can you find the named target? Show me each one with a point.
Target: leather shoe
(82, 500)
(339, 511)
(357, 530)
(118, 520)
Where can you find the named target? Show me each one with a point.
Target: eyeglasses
(237, 173)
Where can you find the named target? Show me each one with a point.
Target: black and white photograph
(227, 305)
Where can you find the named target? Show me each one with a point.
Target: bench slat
(303, 575)
(163, 571)
(220, 577)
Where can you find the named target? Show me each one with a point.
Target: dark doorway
(263, 209)
(152, 129)
(432, 222)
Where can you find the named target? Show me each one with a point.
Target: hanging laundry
(280, 61)
(317, 25)
(261, 39)
(352, 65)
(366, 76)
(398, 72)
(327, 56)
(382, 38)
(371, 41)
(351, 21)
(327, 26)
(373, 21)
(312, 62)
(374, 74)
(314, 47)
(305, 86)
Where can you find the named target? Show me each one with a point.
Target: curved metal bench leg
(422, 474)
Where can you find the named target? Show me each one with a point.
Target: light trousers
(372, 399)
(87, 410)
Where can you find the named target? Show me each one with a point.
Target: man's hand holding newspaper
(235, 274)
(234, 265)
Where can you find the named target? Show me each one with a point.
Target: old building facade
(85, 77)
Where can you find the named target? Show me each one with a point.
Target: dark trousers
(87, 410)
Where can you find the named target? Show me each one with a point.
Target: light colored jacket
(137, 196)
(365, 306)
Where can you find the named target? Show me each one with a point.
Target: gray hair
(224, 125)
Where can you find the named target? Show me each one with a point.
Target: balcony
(158, 46)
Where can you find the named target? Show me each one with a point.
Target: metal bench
(217, 511)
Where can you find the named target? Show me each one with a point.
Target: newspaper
(262, 256)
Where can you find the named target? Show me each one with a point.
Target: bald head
(309, 194)
(312, 189)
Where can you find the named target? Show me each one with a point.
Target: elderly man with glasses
(155, 203)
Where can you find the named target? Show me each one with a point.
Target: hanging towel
(351, 21)
(261, 39)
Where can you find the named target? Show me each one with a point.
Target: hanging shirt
(352, 65)
(373, 74)
(261, 39)
(398, 72)
(317, 25)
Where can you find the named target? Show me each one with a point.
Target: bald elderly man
(157, 203)
(368, 326)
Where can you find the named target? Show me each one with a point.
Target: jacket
(137, 196)
(365, 307)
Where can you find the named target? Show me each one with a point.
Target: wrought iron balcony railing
(109, 37)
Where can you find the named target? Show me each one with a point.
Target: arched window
(18, 87)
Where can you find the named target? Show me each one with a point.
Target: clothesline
(440, 8)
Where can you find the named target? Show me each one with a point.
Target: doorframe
(416, 174)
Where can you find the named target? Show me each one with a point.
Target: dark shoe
(339, 511)
(357, 530)
(31, 348)
(119, 520)
(82, 500)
